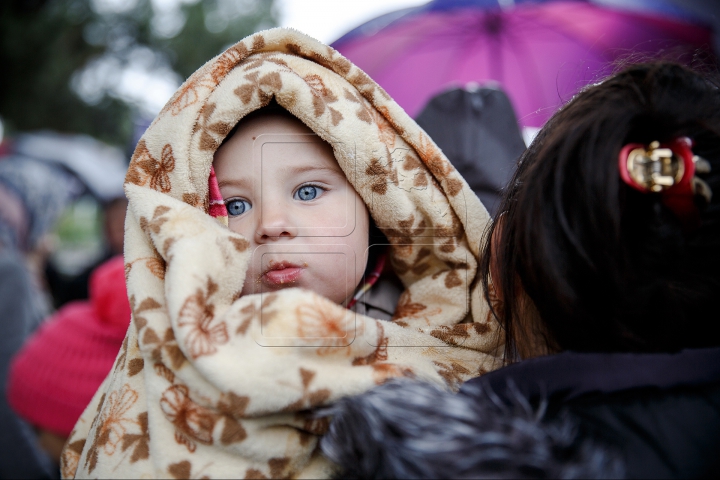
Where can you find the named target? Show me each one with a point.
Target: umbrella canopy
(540, 53)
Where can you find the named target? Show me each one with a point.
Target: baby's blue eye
(237, 206)
(307, 193)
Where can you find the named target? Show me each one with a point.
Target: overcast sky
(328, 20)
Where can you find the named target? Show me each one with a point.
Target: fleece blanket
(212, 384)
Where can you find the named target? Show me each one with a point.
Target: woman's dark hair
(605, 267)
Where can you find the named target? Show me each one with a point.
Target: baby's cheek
(333, 274)
(242, 226)
(332, 218)
(252, 282)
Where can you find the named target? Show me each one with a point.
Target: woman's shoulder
(660, 411)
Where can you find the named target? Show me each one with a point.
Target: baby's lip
(281, 273)
(280, 265)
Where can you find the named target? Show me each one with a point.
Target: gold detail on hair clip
(701, 165)
(656, 168)
(699, 187)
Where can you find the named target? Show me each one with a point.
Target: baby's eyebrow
(235, 182)
(315, 168)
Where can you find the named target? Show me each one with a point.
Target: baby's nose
(275, 222)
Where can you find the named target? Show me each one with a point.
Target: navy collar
(569, 375)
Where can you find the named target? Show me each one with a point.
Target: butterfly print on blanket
(453, 373)
(71, 457)
(383, 173)
(309, 398)
(193, 423)
(257, 84)
(197, 315)
(139, 441)
(324, 327)
(232, 407)
(111, 424)
(144, 167)
(322, 98)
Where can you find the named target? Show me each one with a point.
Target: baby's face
(285, 192)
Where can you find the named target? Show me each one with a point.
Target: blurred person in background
(90, 230)
(32, 196)
(66, 288)
(477, 128)
(58, 370)
(114, 224)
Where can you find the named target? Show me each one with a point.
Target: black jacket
(660, 411)
(569, 415)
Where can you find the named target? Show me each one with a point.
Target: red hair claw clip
(668, 169)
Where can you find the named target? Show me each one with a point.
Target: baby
(244, 324)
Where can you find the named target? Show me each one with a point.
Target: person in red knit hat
(56, 373)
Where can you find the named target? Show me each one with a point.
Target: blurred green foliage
(45, 44)
(80, 224)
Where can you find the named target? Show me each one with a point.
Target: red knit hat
(56, 373)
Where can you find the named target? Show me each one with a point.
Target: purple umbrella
(541, 53)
